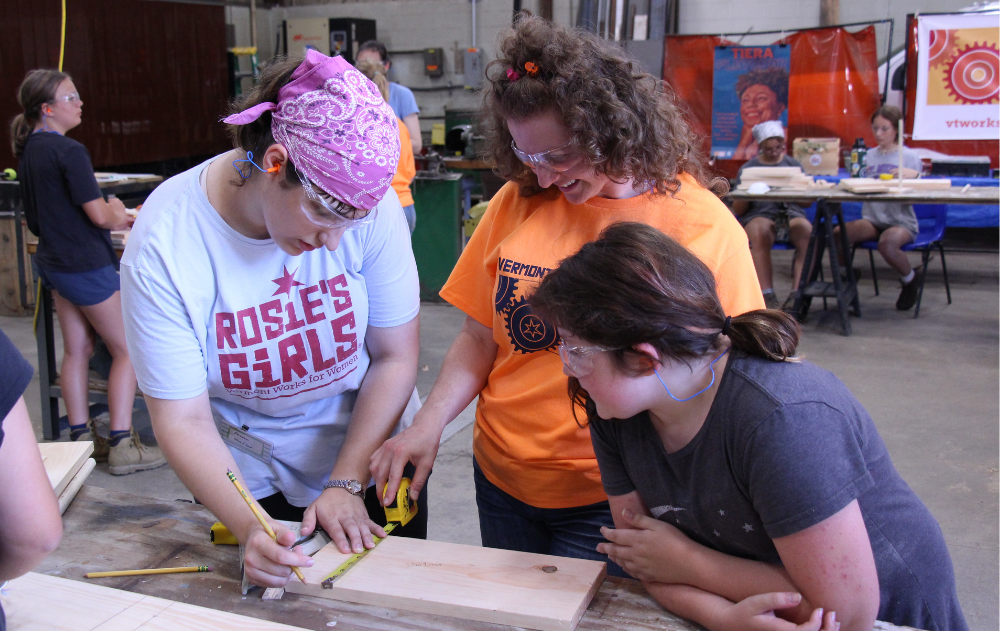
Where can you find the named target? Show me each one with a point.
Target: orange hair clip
(530, 68)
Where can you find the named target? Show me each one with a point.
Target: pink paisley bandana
(338, 130)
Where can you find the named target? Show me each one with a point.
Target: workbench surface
(112, 530)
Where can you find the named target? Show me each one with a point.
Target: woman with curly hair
(763, 97)
(585, 139)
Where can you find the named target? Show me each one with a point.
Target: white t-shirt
(277, 340)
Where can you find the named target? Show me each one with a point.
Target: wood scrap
(48, 603)
(873, 185)
(63, 460)
(484, 584)
(776, 177)
(273, 593)
(66, 497)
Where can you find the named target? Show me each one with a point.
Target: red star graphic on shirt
(285, 282)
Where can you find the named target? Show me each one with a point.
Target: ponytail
(38, 88)
(376, 73)
(19, 132)
(767, 333)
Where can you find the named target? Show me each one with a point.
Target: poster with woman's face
(750, 86)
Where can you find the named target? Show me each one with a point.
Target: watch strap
(351, 486)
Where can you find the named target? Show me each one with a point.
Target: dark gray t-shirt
(784, 447)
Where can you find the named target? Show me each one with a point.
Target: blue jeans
(410, 212)
(509, 524)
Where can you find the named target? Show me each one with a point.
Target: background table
(964, 215)
(828, 206)
(112, 530)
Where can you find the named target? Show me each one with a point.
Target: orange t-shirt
(407, 167)
(526, 440)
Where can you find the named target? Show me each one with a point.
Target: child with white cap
(767, 222)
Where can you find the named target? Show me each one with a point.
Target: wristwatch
(351, 486)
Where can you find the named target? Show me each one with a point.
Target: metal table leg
(47, 365)
(810, 286)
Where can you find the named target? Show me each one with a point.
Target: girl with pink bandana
(271, 299)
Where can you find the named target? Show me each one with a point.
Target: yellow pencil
(155, 570)
(260, 518)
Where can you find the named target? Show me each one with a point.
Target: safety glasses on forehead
(559, 159)
(327, 212)
(580, 359)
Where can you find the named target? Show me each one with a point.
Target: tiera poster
(958, 77)
(749, 86)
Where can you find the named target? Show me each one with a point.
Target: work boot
(130, 455)
(101, 447)
(908, 294)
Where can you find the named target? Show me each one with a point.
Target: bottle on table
(858, 152)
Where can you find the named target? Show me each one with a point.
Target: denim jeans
(509, 524)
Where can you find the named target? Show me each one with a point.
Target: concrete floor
(930, 384)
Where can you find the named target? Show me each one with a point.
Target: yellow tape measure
(351, 562)
(399, 513)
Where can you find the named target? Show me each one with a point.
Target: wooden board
(63, 460)
(66, 497)
(48, 603)
(872, 185)
(483, 584)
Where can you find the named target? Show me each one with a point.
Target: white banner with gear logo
(958, 77)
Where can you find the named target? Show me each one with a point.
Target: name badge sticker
(244, 441)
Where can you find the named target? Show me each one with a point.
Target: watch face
(354, 487)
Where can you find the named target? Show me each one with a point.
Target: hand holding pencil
(263, 522)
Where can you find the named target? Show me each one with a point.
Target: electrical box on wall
(473, 69)
(304, 33)
(330, 36)
(433, 62)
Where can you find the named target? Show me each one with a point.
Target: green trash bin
(437, 239)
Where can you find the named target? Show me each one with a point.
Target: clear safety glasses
(72, 97)
(580, 359)
(559, 159)
(326, 212)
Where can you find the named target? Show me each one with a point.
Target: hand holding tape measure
(398, 513)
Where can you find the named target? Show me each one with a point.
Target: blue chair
(932, 218)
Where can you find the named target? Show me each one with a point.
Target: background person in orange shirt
(585, 139)
(407, 168)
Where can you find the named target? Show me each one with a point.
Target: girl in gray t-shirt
(743, 482)
(892, 224)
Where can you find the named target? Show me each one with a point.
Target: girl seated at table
(744, 483)
(892, 224)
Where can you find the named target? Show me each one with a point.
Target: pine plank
(470, 582)
(36, 602)
(63, 460)
(74, 484)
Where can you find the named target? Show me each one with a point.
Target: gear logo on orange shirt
(526, 331)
